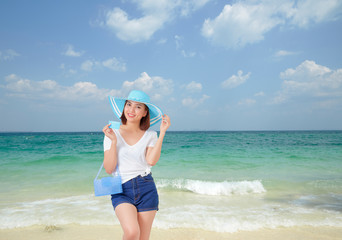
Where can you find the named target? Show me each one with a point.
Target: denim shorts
(141, 192)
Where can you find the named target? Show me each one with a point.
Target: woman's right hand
(109, 133)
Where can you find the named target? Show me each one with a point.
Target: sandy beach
(75, 232)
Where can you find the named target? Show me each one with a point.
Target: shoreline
(176, 131)
(107, 232)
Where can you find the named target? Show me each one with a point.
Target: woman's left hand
(165, 124)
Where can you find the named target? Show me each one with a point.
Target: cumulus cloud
(307, 12)
(312, 80)
(193, 87)
(70, 52)
(67, 71)
(155, 14)
(114, 64)
(111, 63)
(235, 80)
(194, 97)
(8, 54)
(16, 86)
(189, 6)
(240, 24)
(157, 87)
(87, 65)
(194, 102)
(250, 101)
(49, 89)
(246, 22)
(133, 30)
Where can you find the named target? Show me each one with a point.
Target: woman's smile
(130, 115)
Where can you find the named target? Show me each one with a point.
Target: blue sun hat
(118, 105)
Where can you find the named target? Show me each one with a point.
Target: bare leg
(145, 220)
(128, 217)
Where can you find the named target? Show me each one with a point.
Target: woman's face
(134, 111)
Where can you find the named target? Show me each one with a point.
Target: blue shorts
(140, 192)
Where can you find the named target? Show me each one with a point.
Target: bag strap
(116, 171)
(99, 171)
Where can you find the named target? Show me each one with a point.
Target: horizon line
(283, 130)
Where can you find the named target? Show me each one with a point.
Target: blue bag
(107, 185)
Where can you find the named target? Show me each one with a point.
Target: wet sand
(81, 232)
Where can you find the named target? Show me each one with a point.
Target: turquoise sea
(218, 181)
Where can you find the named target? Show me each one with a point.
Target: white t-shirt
(131, 159)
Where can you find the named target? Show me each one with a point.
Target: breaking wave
(214, 188)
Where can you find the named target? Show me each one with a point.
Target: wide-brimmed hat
(118, 105)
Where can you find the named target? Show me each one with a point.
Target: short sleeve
(153, 139)
(106, 143)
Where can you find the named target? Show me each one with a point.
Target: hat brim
(118, 105)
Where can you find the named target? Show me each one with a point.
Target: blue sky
(209, 64)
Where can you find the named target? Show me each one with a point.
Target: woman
(134, 149)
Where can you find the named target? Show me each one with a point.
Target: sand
(75, 232)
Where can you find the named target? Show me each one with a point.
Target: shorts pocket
(147, 178)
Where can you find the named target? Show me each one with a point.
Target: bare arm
(110, 158)
(153, 153)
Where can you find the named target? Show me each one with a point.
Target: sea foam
(214, 188)
(191, 211)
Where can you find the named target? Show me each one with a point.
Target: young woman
(134, 149)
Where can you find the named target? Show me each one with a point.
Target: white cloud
(133, 30)
(49, 89)
(154, 16)
(192, 102)
(87, 65)
(235, 80)
(71, 52)
(156, 87)
(8, 54)
(313, 11)
(189, 6)
(247, 22)
(193, 87)
(111, 63)
(84, 91)
(240, 24)
(178, 40)
(179, 43)
(247, 102)
(188, 54)
(259, 94)
(250, 101)
(310, 80)
(72, 71)
(283, 53)
(17, 84)
(67, 71)
(114, 64)
(162, 41)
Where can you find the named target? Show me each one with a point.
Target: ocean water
(217, 181)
